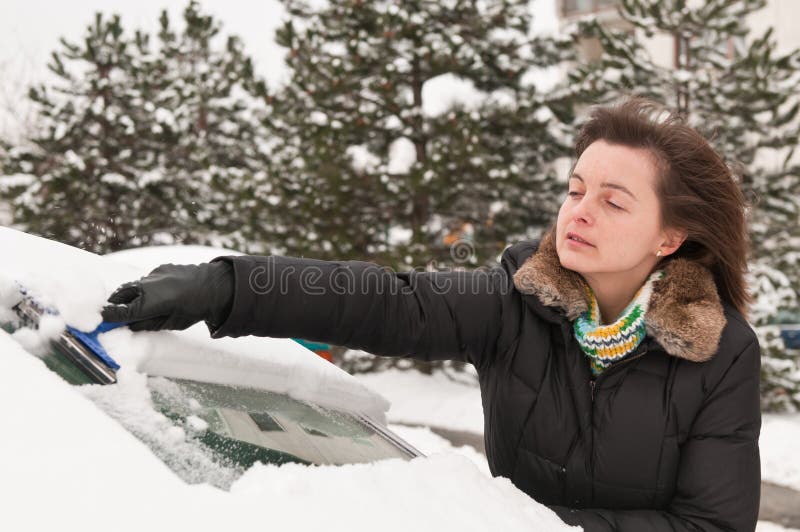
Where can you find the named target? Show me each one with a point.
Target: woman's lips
(577, 243)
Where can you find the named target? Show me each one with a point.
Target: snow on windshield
(59, 449)
(67, 465)
(77, 284)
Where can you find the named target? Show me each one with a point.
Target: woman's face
(612, 204)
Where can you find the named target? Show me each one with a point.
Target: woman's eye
(615, 206)
(572, 193)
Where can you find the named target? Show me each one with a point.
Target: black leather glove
(174, 296)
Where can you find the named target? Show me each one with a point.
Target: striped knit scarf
(607, 344)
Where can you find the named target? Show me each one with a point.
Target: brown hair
(697, 190)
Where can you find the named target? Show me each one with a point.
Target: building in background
(667, 50)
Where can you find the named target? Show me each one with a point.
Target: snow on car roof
(77, 283)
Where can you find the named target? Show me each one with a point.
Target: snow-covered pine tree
(742, 94)
(143, 146)
(5, 156)
(77, 181)
(208, 116)
(374, 166)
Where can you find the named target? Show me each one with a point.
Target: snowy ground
(780, 461)
(766, 526)
(434, 400)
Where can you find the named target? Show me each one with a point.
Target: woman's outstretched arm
(425, 315)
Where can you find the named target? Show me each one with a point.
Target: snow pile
(60, 448)
(74, 282)
(458, 496)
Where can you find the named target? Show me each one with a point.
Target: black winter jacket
(666, 439)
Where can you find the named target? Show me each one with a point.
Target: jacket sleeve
(719, 475)
(424, 315)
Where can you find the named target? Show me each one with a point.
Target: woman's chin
(573, 260)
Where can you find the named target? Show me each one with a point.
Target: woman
(619, 377)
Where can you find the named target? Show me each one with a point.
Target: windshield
(212, 433)
(274, 421)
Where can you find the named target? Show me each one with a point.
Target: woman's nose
(582, 212)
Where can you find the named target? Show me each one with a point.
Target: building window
(265, 422)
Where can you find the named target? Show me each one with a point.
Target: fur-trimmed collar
(685, 314)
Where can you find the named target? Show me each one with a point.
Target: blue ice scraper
(81, 347)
